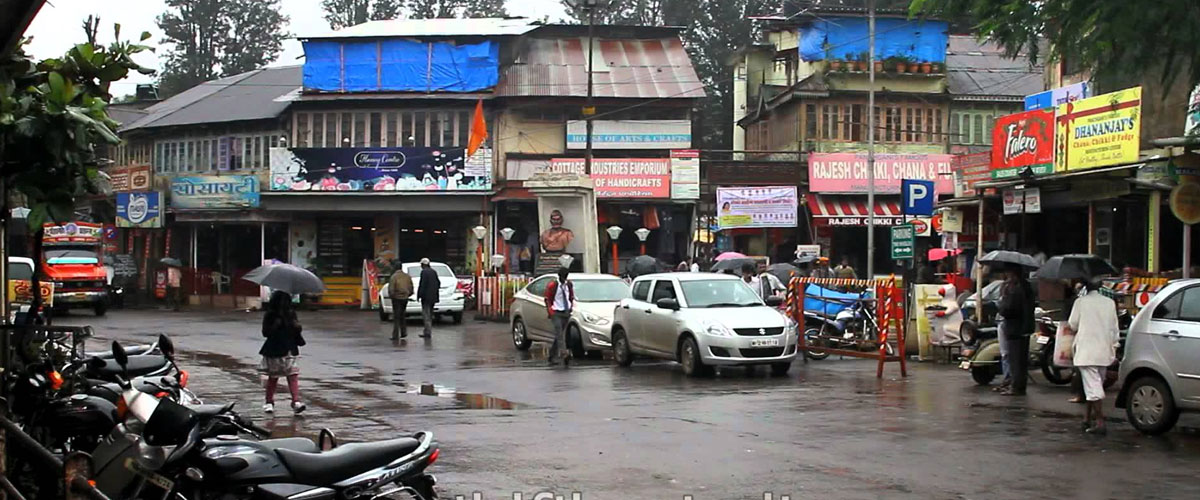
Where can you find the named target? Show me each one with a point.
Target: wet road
(507, 423)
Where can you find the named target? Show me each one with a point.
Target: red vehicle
(72, 258)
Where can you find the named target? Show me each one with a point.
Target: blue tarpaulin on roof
(846, 38)
(400, 65)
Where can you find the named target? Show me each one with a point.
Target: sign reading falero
(1023, 140)
(623, 177)
(1098, 131)
(380, 169)
(847, 172)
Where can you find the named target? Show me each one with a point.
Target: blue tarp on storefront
(400, 66)
(846, 38)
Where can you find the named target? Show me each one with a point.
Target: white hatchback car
(596, 296)
(450, 298)
(1161, 365)
(702, 320)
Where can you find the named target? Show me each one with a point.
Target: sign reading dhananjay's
(631, 134)
(1098, 131)
(211, 192)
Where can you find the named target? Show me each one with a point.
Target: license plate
(764, 343)
(1043, 339)
(152, 477)
(80, 295)
(966, 365)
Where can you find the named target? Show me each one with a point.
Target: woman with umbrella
(281, 351)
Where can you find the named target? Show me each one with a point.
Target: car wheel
(812, 338)
(575, 342)
(621, 352)
(689, 357)
(1151, 407)
(383, 315)
(520, 335)
(780, 369)
(456, 318)
(983, 374)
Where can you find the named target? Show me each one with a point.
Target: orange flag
(478, 130)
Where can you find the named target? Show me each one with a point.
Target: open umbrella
(287, 278)
(642, 265)
(936, 254)
(1008, 257)
(1075, 266)
(734, 264)
(171, 261)
(784, 272)
(730, 255)
(805, 259)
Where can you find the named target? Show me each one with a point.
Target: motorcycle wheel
(812, 339)
(983, 375)
(1054, 374)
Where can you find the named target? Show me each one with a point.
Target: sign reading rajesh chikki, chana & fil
(1098, 131)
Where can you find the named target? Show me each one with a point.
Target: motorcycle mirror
(166, 346)
(119, 355)
(95, 363)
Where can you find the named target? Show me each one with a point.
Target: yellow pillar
(1152, 231)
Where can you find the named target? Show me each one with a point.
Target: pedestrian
(400, 289)
(1094, 322)
(427, 292)
(281, 351)
(174, 286)
(822, 270)
(560, 301)
(751, 279)
(844, 270)
(1016, 305)
(768, 284)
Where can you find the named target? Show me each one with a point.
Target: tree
(1109, 37)
(485, 8)
(211, 38)
(433, 9)
(344, 13)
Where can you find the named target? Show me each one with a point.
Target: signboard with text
(751, 207)
(380, 169)
(1099, 131)
(968, 170)
(685, 174)
(1054, 97)
(847, 172)
(631, 134)
(1023, 140)
(212, 192)
(902, 241)
(124, 179)
(623, 177)
(73, 232)
(139, 209)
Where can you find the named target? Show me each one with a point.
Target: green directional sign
(902, 241)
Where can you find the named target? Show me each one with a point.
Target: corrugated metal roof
(254, 95)
(433, 28)
(629, 68)
(981, 69)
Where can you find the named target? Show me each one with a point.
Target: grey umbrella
(643, 264)
(1075, 266)
(287, 278)
(171, 261)
(784, 272)
(734, 264)
(1008, 257)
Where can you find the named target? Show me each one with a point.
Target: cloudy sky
(58, 26)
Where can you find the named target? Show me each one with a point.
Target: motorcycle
(853, 327)
(162, 445)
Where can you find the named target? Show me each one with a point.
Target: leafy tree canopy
(212, 38)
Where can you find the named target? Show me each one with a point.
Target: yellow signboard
(21, 292)
(1098, 131)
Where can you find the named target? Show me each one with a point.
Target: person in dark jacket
(427, 292)
(1016, 305)
(400, 288)
(281, 351)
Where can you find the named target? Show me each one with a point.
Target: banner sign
(74, 232)
(1050, 99)
(379, 169)
(139, 209)
(1099, 131)
(212, 192)
(968, 170)
(21, 292)
(847, 172)
(124, 179)
(623, 177)
(751, 207)
(1023, 140)
(685, 174)
(631, 134)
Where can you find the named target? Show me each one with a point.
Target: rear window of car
(443, 271)
(641, 290)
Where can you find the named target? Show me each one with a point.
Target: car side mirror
(669, 304)
(166, 346)
(119, 355)
(774, 301)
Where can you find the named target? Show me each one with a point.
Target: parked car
(702, 320)
(596, 295)
(450, 299)
(1161, 365)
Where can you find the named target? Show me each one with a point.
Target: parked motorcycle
(853, 327)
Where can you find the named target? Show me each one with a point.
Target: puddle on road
(465, 400)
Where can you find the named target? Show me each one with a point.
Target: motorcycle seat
(138, 365)
(346, 461)
(211, 410)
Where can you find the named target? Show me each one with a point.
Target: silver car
(596, 297)
(702, 320)
(1161, 366)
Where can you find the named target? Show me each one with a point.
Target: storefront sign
(847, 172)
(1023, 140)
(922, 226)
(902, 242)
(124, 179)
(969, 169)
(211, 192)
(139, 209)
(952, 221)
(631, 134)
(380, 169)
(1062, 95)
(623, 177)
(859, 221)
(685, 174)
(1017, 201)
(1033, 201)
(21, 292)
(741, 207)
(1185, 200)
(1099, 131)
(74, 232)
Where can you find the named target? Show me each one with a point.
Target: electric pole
(871, 140)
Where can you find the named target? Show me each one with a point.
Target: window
(302, 130)
(318, 131)
(394, 134)
(360, 130)
(663, 289)
(538, 287)
(258, 153)
(719, 293)
(344, 131)
(1169, 309)
(419, 135)
(1189, 308)
(331, 130)
(609, 290)
(376, 139)
(641, 290)
(810, 121)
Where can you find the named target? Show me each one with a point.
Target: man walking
(560, 300)
(400, 289)
(174, 287)
(1094, 321)
(427, 293)
(1016, 305)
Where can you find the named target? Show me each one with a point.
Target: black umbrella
(805, 259)
(1075, 266)
(643, 264)
(784, 272)
(734, 264)
(1008, 257)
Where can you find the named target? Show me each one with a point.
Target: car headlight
(716, 328)
(593, 319)
(791, 327)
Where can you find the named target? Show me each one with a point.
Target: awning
(851, 210)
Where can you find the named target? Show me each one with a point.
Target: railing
(494, 295)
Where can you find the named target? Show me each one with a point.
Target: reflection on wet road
(509, 423)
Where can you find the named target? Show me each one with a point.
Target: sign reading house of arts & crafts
(1098, 131)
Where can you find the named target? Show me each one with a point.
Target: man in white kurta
(1094, 321)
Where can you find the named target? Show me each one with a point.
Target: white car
(596, 297)
(450, 298)
(702, 320)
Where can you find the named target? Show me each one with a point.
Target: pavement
(509, 425)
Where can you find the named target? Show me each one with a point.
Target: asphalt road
(507, 423)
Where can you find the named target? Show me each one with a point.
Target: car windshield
(601, 290)
(69, 255)
(442, 270)
(20, 271)
(719, 293)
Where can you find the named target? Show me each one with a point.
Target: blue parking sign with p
(918, 197)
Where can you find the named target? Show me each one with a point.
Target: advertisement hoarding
(685, 174)
(136, 178)
(751, 207)
(1023, 140)
(380, 169)
(968, 170)
(1099, 131)
(623, 177)
(139, 209)
(1054, 97)
(631, 134)
(847, 172)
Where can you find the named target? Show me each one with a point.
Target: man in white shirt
(560, 301)
(1094, 321)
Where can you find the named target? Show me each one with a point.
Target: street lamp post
(614, 234)
(506, 235)
(642, 234)
(480, 234)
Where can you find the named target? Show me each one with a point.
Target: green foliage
(1109, 37)
(435, 9)
(211, 38)
(345, 13)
